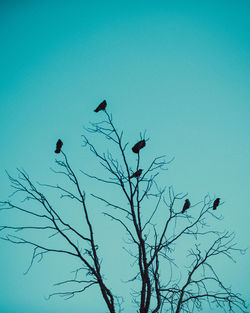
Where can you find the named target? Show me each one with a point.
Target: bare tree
(152, 219)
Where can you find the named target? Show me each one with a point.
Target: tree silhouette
(152, 221)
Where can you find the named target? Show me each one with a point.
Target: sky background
(177, 69)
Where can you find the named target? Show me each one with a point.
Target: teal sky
(178, 69)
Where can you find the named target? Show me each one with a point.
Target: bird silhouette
(138, 146)
(216, 203)
(58, 146)
(101, 106)
(186, 206)
(137, 173)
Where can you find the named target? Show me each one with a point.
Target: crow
(137, 173)
(138, 146)
(58, 146)
(186, 206)
(101, 106)
(216, 203)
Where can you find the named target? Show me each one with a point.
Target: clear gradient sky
(179, 69)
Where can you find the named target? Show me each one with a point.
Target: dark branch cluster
(154, 219)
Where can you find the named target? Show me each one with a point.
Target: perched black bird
(58, 146)
(216, 203)
(138, 146)
(186, 205)
(137, 173)
(101, 106)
